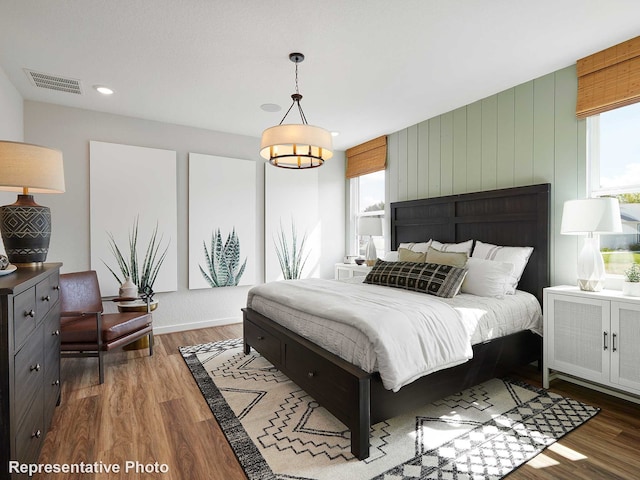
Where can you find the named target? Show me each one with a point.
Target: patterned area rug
(279, 432)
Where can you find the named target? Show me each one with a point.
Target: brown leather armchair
(87, 332)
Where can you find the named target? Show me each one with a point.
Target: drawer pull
(36, 434)
(46, 298)
(260, 337)
(35, 368)
(57, 382)
(55, 333)
(30, 313)
(311, 374)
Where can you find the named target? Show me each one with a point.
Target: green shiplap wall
(525, 135)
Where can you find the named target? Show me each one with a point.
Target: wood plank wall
(524, 135)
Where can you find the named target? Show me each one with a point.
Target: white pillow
(518, 256)
(421, 247)
(487, 278)
(391, 256)
(464, 247)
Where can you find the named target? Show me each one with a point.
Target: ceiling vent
(54, 82)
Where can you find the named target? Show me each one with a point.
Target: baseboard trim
(159, 330)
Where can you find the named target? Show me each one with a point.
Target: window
(614, 160)
(367, 199)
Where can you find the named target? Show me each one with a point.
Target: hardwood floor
(150, 410)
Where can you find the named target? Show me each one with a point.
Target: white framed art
(291, 202)
(222, 221)
(129, 184)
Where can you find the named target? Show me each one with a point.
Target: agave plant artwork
(142, 274)
(223, 260)
(291, 254)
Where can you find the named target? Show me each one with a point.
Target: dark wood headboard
(516, 217)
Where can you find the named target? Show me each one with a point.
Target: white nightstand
(592, 338)
(349, 270)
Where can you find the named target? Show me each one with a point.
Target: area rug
(278, 431)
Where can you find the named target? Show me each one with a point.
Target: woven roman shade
(609, 79)
(367, 157)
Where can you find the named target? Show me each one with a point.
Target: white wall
(71, 129)
(11, 111)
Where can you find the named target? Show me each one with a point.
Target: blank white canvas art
(291, 196)
(129, 182)
(222, 195)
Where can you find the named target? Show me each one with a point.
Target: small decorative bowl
(359, 261)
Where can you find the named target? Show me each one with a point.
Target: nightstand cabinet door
(578, 337)
(625, 345)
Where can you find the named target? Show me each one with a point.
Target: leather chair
(87, 332)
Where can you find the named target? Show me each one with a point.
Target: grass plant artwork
(223, 260)
(143, 274)
(292, 255)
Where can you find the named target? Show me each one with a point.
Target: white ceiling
(372, 66)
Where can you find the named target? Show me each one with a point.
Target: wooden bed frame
(511, 217)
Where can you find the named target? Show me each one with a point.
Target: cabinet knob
(57, 382)
(36, 434)
(34, 368)
(311, 374)
(30, 313)
(56, 287)
(260, 337)
(46, 298)
(55, 333)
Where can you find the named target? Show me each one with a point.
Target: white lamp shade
(40, 169)
(370, 226)
(286, 145)
(591, 215)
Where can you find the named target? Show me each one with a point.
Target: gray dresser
(29, 361)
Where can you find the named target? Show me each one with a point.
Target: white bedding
(410, 339)
(336, 323)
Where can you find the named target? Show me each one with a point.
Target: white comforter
(410, 339)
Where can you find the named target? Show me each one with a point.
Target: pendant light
(296, 145)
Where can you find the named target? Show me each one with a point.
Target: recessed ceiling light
(335, 134)
(270, 107)
(103, 90)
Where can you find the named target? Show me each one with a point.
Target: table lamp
(371, 226)
(591, 216)
(25, 225)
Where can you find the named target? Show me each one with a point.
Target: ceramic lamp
(25, 225)
(371, 226)
(591, 217)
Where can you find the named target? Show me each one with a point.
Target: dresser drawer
(24, 316)
(30, 435)
(29, 374)
(47, 293)
(262, 341)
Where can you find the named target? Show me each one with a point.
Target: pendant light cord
(296, 99)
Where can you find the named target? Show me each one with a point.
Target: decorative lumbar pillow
(453, 247)
(518, 256)
(405, 255)
(487, 278)
(455, 259)
(435, 279)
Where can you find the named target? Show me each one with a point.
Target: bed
(509, 217)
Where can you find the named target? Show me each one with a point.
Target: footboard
(340, 387)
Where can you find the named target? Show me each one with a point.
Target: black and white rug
(279, 432)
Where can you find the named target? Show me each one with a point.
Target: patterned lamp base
(26, 230)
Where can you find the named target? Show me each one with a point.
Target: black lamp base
(26, 231)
